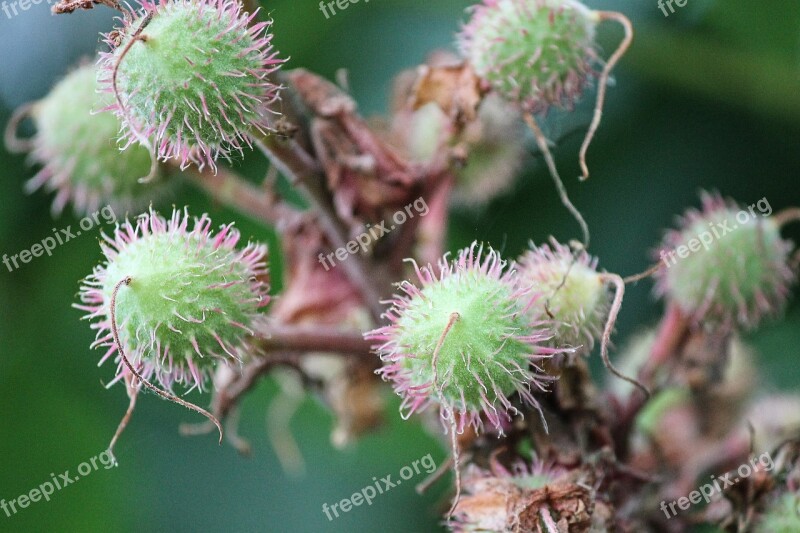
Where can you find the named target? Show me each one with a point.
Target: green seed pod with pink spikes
(576, 298)
(575, 294)
(725, 266)
(191, 77)
(76, 146)
(191, 301)
(464, 341)
(537, 53)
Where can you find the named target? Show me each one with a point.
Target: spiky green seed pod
(76, 146)
(192, 300)
(574, 293)
(725, 265)
(464, 341)
(192, 77)
(537, 53)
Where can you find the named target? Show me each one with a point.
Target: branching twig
(69, 6)
(228, 397)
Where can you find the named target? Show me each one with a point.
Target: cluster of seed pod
(476, 337)
(174, 301)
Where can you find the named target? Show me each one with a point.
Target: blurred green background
(708, 97)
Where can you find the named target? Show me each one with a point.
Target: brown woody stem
(281, 337)
(303, 171)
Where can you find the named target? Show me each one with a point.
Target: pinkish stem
(232, 190)
(314, 339)
(671, 336)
